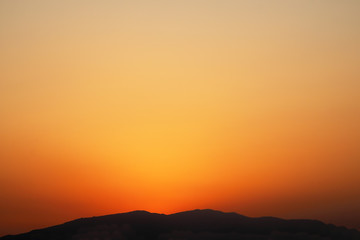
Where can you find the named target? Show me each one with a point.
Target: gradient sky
(110, 106)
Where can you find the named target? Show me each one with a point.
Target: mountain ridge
(193, 224)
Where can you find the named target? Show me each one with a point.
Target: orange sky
(111, 106)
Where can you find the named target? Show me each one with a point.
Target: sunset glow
(113, 106)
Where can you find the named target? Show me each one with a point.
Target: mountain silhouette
(192, 225)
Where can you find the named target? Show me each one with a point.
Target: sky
(246, 106)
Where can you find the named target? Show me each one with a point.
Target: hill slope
(196, 224)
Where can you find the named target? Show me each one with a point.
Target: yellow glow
(111, 106)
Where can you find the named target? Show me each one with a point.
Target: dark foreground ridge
(192, 225)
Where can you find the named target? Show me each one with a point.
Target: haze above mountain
(195, 224)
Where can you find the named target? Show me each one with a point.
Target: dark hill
(194, 225)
